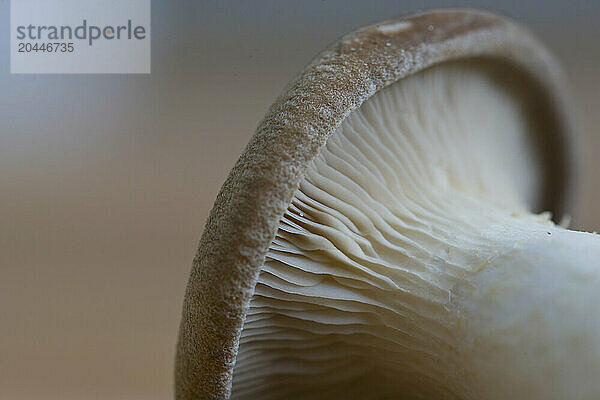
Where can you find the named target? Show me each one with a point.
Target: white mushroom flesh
(408, 264)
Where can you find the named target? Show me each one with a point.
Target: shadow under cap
(246, 213)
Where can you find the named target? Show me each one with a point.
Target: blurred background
(106, 180)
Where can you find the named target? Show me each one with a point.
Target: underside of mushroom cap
(364, 290)
(260, 188)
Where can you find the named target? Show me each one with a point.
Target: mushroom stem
(529, 319)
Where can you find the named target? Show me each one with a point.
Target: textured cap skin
(260, 186)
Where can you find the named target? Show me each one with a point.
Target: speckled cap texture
(260, 186)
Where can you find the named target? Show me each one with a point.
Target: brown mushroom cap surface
(247, 211)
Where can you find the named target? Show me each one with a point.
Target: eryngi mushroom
(382, 235)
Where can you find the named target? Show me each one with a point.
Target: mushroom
(381, 236)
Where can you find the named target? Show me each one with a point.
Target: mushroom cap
(246, 213)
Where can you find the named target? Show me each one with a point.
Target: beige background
(105, 181)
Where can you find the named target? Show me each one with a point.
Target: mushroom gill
(373, 284)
